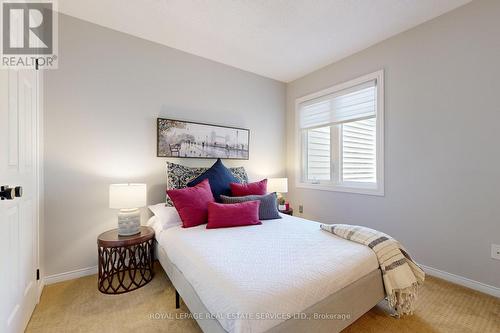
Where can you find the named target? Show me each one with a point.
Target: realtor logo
(28, 31)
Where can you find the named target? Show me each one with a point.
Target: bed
(285, 275)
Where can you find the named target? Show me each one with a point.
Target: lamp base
(281, 201)
(129, 222)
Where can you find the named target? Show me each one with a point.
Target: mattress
(254, 278)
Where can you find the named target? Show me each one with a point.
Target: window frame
(301, 144)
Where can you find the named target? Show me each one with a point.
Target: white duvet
(272, 270)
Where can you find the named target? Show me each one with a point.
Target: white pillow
(167, 216)
(154, 223)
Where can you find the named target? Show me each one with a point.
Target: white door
(19, 105)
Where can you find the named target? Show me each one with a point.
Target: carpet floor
(77, 306)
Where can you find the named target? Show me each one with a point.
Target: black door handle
(7, 193)
(18, 191)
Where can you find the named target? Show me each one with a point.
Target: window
(341, 137)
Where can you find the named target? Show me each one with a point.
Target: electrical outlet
(301, 209)
(495, 251)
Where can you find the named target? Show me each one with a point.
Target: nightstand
(125, 262)
(289, 211)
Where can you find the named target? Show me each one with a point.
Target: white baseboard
(463, 281)
(41, 284)
(70, 275)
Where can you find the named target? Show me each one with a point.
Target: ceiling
(280, 39)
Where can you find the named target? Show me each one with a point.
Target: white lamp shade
(279, 185)
(127, 196)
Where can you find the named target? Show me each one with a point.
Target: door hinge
(38, 274)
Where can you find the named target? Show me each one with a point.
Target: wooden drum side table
(125, 262)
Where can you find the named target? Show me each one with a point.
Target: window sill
(340, 188)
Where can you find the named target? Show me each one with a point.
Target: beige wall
(442, 156)
(100, 127)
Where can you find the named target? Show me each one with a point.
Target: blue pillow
(219, 178)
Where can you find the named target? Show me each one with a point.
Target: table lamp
(128, 198)
(280, 186)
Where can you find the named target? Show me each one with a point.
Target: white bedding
(280, 267)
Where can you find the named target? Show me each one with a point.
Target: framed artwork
(185, 139)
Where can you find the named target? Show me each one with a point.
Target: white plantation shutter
(318, 154)
(359, 151)
(342, 136)
(357, 102)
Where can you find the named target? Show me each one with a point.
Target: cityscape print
(185, 139)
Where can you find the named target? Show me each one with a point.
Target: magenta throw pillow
(257, 188)
(233, 215)
(192, 203)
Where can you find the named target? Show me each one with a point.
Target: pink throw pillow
(233, 215)
(257, 188)
(192, 203)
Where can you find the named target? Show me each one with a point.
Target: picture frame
(187, 139)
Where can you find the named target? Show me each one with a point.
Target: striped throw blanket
(401, 275)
